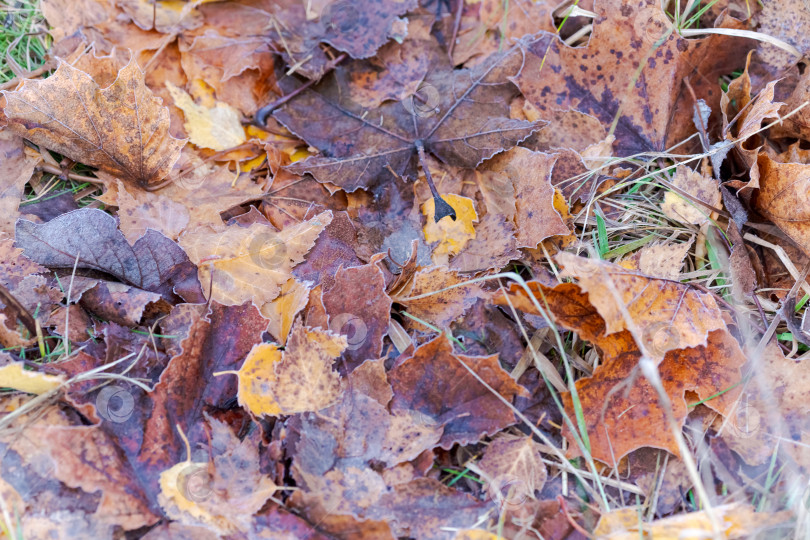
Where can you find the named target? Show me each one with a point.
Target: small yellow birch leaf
(475, 534)
(12, 375)
(300, 379)
(174, 489)
(282, 311)
(257, 379)
(451, 235)
(217, 127)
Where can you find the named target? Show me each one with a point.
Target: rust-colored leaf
(435, 383)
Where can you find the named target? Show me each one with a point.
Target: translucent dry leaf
(217, 127)
(122, 129)
(250, 264)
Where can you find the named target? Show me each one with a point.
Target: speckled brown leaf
(121, 129)
(298, 380)
(153, 263)
(461, 117)
(435, 383)
(700, 186)
(493, 247)
(656, 111)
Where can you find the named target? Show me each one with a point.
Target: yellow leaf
(736, 520)
(250, 263)
(451, 235)
(282, 311)
(217, 127)
(174, 488)
(476, 534)
(12, 375)
(298, 380)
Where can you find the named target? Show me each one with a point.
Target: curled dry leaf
(90, 239)
(216, 126)
(122, 129)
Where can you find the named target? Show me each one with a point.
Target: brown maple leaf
(630, 75)
(460, 116)
(122, 129)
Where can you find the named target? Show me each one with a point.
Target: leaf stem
(441, 207)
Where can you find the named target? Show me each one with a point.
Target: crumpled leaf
(250, 264)
(153, 263)
(536, 217)
(784, 197)
(513, 468)
(434, 382)
(460, 116)
(122, 129)
(298, 380)
(700, 186)
(216, 127)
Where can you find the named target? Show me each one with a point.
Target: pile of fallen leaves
(379, 269)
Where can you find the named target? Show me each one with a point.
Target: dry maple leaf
(90, 239)
(459, 116)
(628, 80)
(298, 380)
(434, 382)
(122, 129)
(684, 315)
(621, 409)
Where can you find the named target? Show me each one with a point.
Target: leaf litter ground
(382, 269)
